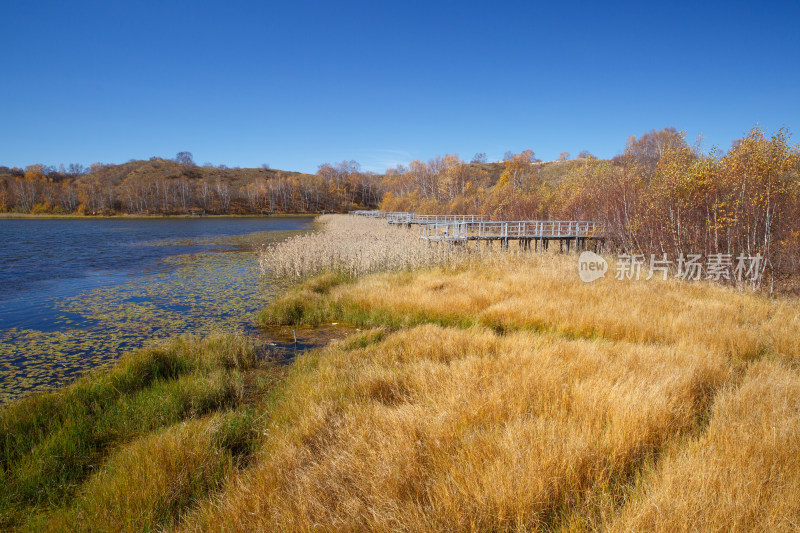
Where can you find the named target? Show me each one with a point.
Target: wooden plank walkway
(536, 233)
(366, 213)
(413, 218)
(521, 229)
(461, 229)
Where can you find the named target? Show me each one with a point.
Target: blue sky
(297, 84)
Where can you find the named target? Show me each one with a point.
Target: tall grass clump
(355, 246)
(151, 482)
(511, 396)
(52, 442)
(743, 474)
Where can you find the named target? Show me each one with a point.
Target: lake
(75, 294)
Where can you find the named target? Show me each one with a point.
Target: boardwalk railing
(373, 213)
(413, 218)
(523, 229)
(459, 228)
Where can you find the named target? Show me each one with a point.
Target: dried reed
(355, 246)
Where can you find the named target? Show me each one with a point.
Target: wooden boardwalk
(528, 233)
(413, 218)
(410, 219)
(365, 213)
(462, 229)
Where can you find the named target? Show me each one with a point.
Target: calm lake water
(76, 294)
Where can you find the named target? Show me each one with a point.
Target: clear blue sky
(296, 84)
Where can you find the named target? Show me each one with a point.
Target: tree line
(179, 186)
(660, 196)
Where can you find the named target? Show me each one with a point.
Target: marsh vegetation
(485, 391)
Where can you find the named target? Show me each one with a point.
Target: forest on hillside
(660, 196)
(178, 186)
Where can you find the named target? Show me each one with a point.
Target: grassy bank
(136, 445)
(486, 392)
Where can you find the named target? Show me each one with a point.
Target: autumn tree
(27, 187)
(223, 190)
(185, 159)
(648, 149)
(519, 170)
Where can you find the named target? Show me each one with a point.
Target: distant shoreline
(12, 216)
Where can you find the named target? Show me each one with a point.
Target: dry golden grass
(449, 429)
(543, 292)
(743, 474)
(554, 405)
(355, 246)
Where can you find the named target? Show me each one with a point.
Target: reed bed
(356, 246)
